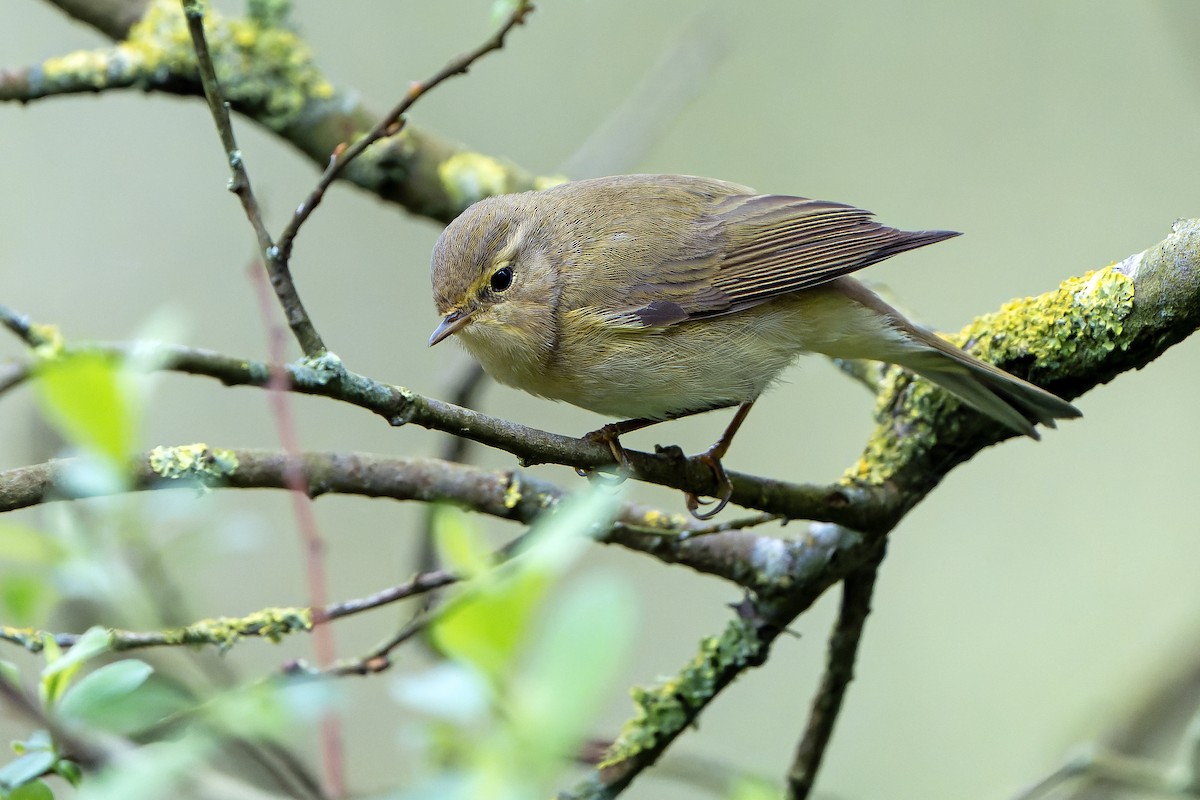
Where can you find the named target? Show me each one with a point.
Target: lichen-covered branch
(269, 74)
(272, 624)
(327, 377)
(1083, 334)
(757, 562)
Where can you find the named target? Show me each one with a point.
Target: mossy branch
(269, 75)
(1070, 340)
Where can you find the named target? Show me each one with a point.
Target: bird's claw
(610, 437)
(724, 489)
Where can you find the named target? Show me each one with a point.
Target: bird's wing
(748, 249)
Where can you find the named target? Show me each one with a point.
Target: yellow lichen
(666, 708)
(272, 624)
(467, 177)
(261, 65)
(1068, 329)
(512, 492)
(193, 461)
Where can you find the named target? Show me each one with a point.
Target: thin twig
(13, 375)
(276, 264)
(20, 325)
(271, 623)
(378, 658)
(839, 671)
(393, 122)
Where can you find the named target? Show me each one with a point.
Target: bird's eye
(502, 279)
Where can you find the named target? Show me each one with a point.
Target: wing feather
(747, 249)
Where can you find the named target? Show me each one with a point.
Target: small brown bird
(653, 297)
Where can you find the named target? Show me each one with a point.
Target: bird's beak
(454, 322)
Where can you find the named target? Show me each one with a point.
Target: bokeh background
(1031, 603)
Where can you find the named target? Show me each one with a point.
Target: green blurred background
(1029, 604)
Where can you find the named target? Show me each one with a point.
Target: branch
(1069, 340)
(269, 75)
(271, 624)
(393, 122)
(753, 561)
(839, 671)
(859, 508)
(1089, 330)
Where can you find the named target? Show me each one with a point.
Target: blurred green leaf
(483, 625)
(93, 699)
(450, 691)
(29, 766)
(462, 550)
(150, 772)
(69, 771)
(86, 397)
(22, 597)
(21, 543)
(57, 674)
(268, 710)
(751, 788)
(574, 662)
(38, 740)
(10, 673)
(34, 790)
(149, 705)
(484, 622)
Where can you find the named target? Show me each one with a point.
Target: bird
(647, 298)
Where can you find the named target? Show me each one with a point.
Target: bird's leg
(610, 435)
(712, 457)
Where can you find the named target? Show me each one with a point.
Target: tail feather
(1004, 397)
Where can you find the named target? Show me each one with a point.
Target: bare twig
(20, 325)
(839, 671)
(393, 122)
(276, 263)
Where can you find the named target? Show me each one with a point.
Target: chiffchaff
(652, 297)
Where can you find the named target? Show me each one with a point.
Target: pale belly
(657, 373)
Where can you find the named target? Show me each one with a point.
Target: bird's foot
(609, 435)
(724, 489)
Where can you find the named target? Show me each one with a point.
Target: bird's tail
(1006, 398)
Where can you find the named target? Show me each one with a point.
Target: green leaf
(747, 787)
(38, 740)
(34, 790)
(572, 667)
(10, 673)
(94, 697)
(69, 771)
(483, 626)
(150, 772)
(448, 691)
(22, 597)
(485, 621)
(462, 549)
(25, 768)
(86, 397)
(21, 543)
(268, 710)
(57, 674)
